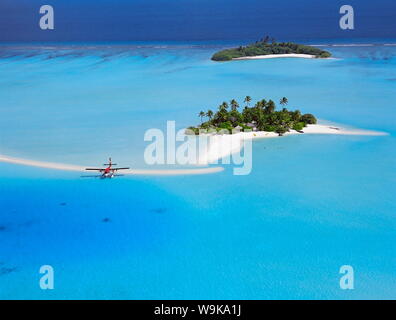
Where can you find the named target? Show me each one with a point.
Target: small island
(260, 117)
(268, 47)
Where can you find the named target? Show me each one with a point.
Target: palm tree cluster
(260, 117)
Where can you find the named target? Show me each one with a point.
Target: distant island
(267, 47)
(260, 117)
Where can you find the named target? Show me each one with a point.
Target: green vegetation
(261, 117)
(265, 47)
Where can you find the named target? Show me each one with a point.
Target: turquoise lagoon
(310, 205)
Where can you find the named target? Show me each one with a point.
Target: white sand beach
(272, 56)
(318, 129)
(220, 146)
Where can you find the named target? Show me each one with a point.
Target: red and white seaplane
(109, 171)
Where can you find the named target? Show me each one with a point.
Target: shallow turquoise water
(310, 205)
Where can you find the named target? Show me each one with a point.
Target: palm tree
(247, 100)
(223, 106)
(261, 104)
(265, 39)
(284, 101)
(296, 115)
(201, 115)
(270, 107)
(209, 114)
(234, 104)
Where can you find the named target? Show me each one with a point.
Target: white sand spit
(69, 167)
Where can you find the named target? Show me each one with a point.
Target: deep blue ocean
(310, 205)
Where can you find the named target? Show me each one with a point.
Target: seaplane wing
(108, 172)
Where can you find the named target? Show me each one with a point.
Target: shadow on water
(26, 224)
(159, 210)
(7, 270)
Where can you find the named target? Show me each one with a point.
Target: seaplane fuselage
(109, 171)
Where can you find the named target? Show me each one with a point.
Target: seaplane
(108, 172)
